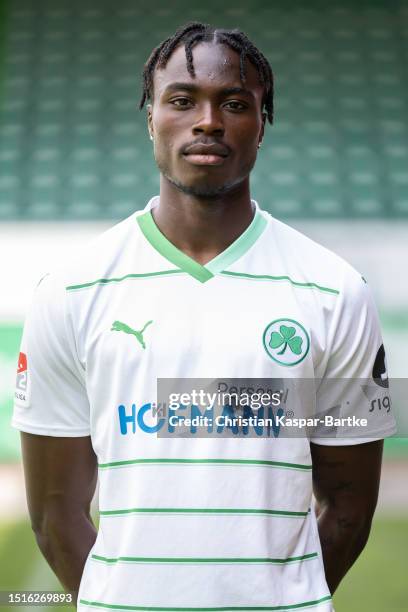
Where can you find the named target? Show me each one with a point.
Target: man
(200, 284)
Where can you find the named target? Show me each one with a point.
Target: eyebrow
(227, 91)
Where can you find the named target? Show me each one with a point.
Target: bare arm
(61, 476)
(345, 482)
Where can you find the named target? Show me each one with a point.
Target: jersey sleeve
(50, 396)
(353, 385)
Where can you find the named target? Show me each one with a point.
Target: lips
(207, 149)
(212, 154)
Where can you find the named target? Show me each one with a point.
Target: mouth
(204, 159)
(206, 153)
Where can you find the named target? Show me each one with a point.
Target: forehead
(214, 65)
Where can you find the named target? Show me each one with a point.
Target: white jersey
(195, 523)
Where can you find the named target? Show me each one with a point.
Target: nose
(209, 121)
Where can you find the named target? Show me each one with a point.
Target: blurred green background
(75, 158)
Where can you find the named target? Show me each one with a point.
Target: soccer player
(202, 283)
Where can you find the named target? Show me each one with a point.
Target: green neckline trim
(280, 278)
(202, 273)
(249, 608)
(169, 251)
(240, 246)
(119, 279)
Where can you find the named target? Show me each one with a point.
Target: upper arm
(51, 396)
(352, 378)
(348, 477)
(60, 474)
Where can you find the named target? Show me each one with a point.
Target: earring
(259, 145)
(151, 137)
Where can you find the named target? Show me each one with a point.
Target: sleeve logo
(379, 373)
(22, 392)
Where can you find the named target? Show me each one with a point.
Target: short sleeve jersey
(196, 523)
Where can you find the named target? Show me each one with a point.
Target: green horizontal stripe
(278, 464)
(201, 511)
(226, 560)
(106, 281)
(280, 278)
(297, 606)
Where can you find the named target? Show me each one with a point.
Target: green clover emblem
(286, 341)
(288, 338)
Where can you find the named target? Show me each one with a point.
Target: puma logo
(119, 326)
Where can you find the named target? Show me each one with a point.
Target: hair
(195, 32)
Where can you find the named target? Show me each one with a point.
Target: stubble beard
(205, 192)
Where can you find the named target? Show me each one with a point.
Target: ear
(150, 120)
(261, 133)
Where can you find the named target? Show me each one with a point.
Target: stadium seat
(71, 88)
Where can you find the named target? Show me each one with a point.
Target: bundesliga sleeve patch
(22, 392)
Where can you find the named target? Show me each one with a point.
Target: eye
(235, 105)
(180, 102)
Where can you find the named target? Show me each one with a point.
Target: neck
(202, 228)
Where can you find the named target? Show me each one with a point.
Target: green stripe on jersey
(281, 278)
(202, 277)
(214, 560)
(244, 462)
(249, 608)
(106, 281)
(260, 511)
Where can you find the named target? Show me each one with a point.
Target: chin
(202, 190)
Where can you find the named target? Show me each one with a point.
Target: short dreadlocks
(195, 32)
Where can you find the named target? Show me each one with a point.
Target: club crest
(286, 341)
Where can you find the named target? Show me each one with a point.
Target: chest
(185, 328)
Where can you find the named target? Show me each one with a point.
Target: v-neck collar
(186, 263)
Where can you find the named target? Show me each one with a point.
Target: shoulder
(307, 259)
(100, 257)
